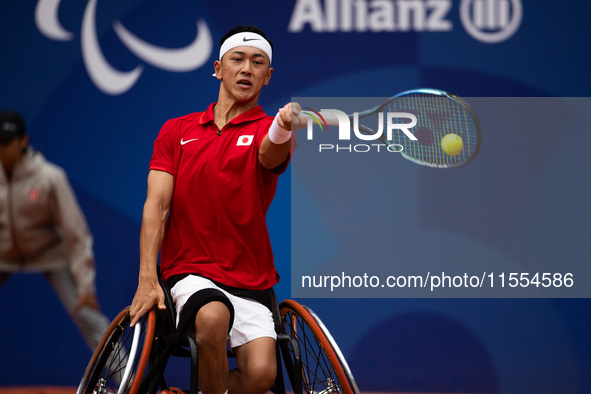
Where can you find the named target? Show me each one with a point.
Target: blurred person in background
(42, 228)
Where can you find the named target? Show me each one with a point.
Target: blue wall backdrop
(96, 79)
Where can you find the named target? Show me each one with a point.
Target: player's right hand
(298, 121)
(146, 296)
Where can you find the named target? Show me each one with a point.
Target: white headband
(246, 39)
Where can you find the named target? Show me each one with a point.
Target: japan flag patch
(244, 140)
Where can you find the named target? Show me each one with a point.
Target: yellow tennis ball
(452, 144)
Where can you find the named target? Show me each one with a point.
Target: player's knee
(212, 322)
(262, 374)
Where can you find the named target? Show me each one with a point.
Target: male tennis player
(212, 178)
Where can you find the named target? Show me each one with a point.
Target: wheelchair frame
(132, 360)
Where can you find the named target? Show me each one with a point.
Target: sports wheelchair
(131, 360)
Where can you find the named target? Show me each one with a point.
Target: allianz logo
(488, 21)
(107, 78)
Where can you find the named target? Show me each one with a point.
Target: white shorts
(252, 319)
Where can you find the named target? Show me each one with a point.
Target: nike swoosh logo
(250, 39)
(184, 142)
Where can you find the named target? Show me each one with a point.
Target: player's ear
(217, 66)
(268, 76)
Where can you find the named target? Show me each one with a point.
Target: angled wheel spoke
(324, 370)
(122, 355)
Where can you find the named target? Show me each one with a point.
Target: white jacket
(41, 225)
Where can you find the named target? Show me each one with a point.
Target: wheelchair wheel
(119, 362)
(324, 369)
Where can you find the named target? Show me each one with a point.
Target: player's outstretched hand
(290, 118)
(146, 296)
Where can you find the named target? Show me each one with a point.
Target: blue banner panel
(95, 81)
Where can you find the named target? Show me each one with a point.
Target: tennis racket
(438, 114)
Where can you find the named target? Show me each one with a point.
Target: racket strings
(436, 116)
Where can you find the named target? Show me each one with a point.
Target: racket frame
(366, 130)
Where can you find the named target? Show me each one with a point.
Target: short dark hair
(242, 29)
